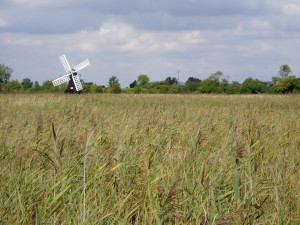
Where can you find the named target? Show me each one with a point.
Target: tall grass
(149, 159)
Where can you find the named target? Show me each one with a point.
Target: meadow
(149, 159)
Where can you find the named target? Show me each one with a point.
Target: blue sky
(241, 38)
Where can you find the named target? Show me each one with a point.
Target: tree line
(284, 82)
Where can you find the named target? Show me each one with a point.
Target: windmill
(72, 77)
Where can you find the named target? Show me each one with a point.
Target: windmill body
(72, 77)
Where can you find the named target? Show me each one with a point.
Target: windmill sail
(77, 82)
(61, 80)
(80, 66)
(65, 63)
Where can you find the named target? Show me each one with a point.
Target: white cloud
(20, 40)
(126, 38)
(117, 39)
(291, 9)
(254, 28)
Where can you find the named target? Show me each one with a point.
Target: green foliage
(289, 84)
(164, 87)
(191, 85)
(47, 85)
(143, 80)
(233, 88)
(116, 88)
(86, 88)
(36, 87)
(276, 80)
(172, 80)
(285, 71)
(175, 89)
(91, 88)
(26, 84)
(113, 81)
(11, 86)
(5, 73)
(209, 86)
(127, 90)
(216, 76)
(213, 84)
(98, 89)
(138, 89)
(251, 86)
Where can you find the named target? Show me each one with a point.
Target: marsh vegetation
(149, 159)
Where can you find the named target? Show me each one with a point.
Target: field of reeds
(149, 159)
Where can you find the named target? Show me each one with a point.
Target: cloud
(122, 38)
(254, 28)
(291, 9)
(20, 40)
(49, 16)
(157, 37)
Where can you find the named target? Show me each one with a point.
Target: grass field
(149, 159)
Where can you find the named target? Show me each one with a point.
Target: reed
(149, 159)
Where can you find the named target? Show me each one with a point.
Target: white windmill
(72, 77)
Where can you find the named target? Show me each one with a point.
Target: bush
(12, 86)
(116, 88)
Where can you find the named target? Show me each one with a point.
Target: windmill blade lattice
(77, 82)
(80, 66)
(65, 63)
(61, 80)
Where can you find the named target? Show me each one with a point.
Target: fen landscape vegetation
(149, 159)
(143, 157)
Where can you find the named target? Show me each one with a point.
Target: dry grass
(149, 159)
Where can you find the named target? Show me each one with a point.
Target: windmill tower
(72, 77)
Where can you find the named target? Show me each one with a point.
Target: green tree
(210, 86)
(116, 88)
(216, 76)
(289, 84)
(93, 88)
(36, 87)
(99, 89)
(112, 81)
(172, 80)
(285, 71)
(233, 88)
(138, 89)
(47, 85)
(251, 86)
(5, 73)
(213, 83)
(192, 84)
(276, 80)
(143, 80)
(26, 83)
(86, 88)
(12, 86)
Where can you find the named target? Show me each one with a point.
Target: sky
(160, 38)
